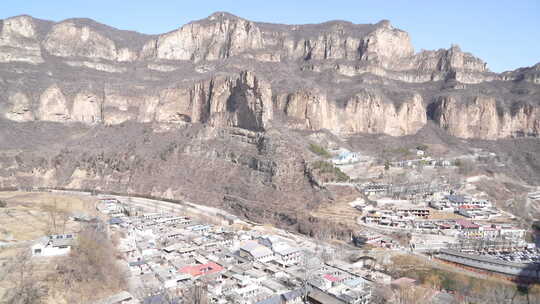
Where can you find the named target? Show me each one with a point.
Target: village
(172, 253)
(437, 214)
(169, 255)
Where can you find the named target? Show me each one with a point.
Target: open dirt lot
(439, 215)
(30, 215)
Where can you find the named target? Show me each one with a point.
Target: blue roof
(159, 299)
(353, 282)
(292, 294)
(272, 300)
(456, 198)
(137, 263)
(115, 221)
(286, 297)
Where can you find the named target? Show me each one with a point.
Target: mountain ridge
(344, 77)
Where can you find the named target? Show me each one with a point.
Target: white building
(346, 157)
(53, 245)
(287, 255)
(254, 251)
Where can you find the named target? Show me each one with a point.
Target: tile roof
(201, 269)
(255, 249)
(330, 278)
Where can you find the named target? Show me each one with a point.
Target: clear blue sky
(506, 34)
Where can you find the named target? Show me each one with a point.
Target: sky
(505, 34)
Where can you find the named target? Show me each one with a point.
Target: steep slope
(250, 173)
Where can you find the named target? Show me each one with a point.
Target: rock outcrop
(53, 105)
(483, 117)
(385, 45)
(368, 111)
(19, 41)
(66, 39)
(242, 100)
(19, 108)
(218, 37)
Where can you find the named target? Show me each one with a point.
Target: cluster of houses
(422, 159)
(472, 220)
(407, 190)
(466, 206)
(171, 253)
(406, 220)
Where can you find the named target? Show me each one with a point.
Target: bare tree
(411, 295)
(382, 294)
(53, 216)
(198, 293)
(26, 289)
(309, 265)
(64, 220)
(91, 270)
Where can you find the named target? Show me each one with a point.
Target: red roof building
(464, 224)
(201, 269)
(331, 278)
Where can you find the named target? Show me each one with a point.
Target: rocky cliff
(227, 71)
(483, 117)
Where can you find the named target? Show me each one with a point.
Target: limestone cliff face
(425, 66)
(19, 108)
(227, 71)
(367, 111)
(69, 40)
(243, 100)
(53, 105)
(386, 45)
(481, 117)
(330, 45)
(87, 108)
(442, 64)
(219, 37)
(19, 41)
(309, 109)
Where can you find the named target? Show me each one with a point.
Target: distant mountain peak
(223, 15)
